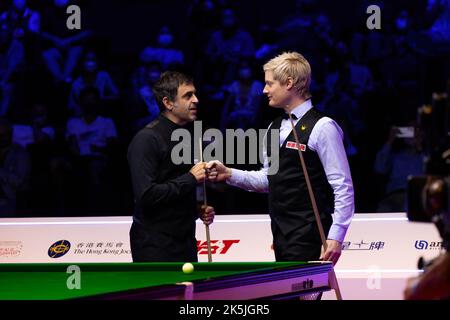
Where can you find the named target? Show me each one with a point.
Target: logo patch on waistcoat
(294, 145)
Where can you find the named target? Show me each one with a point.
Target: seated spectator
(37, 131)
(303, 16)
(324, 32)
(18, 26)
(164, 52)
(90, 134)
(226, 48)
(38, 137)
(357, 74)
(14, 170)
(92, 76)
(243, 101)
(396, 160)
(296, 32)
(63, 47)
(400, 70)
(440, 29)
(146, 109)
(91, 138)
(202, 19)
(343, 108)
(267, 44)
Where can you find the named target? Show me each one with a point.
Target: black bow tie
(285, 116)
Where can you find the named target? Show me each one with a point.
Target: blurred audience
(63, 161)
(241, 108)
(63, 48)
(226, 47)
(164, 52)
(91, 138)
(400, 157)
(19, 26)
(91, 75)
(14, 170)
(145, 109)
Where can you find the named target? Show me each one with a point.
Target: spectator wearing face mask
(146, 108)
(244, 99)
(164, 52)
(92, 76)
(226, 48)
(63, 48)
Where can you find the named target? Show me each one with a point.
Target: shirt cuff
(337, 233)
(237, 176)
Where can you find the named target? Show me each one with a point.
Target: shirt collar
(168, 122)
(301, 109)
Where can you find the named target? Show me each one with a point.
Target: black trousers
(157, 246)
(301, 244)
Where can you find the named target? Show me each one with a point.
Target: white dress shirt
(326, 139)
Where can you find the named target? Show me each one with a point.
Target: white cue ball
(188, 267)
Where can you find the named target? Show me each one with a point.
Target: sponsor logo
(304, 285)
(217, 246)
(295, 146)
(108, 248)
(10, 248)
(361, 245)
(428, 245)
(59, 249)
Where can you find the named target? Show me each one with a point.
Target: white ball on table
(188, 267)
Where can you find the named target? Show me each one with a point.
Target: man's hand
(333, 251)
(207, 214)
(217, 171)
(392, 135)
(199, 172)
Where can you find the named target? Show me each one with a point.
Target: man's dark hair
(167, 86)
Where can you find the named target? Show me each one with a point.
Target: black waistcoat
(290, 205)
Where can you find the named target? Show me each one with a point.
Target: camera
(405, 132)
(428, 196)
(428, 201)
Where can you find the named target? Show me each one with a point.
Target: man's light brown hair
(291, 65)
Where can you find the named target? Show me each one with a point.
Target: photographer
(434, 283)
(428, 201)
(399, 157)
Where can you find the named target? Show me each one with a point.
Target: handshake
(214, 171)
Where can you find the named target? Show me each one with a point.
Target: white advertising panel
(378, 248)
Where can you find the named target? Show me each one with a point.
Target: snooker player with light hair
(296, 235)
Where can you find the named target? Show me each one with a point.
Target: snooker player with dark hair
(296, 235)
(163, 228)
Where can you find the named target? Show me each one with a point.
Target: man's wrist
(229, 173)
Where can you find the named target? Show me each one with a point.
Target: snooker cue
(205, 203)
(333, 279)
